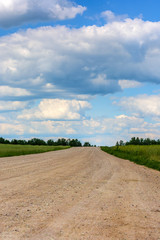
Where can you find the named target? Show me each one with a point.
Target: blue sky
(81, 69)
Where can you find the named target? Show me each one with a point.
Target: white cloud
(121, 116)
(121, 123)
(104, 131)
(108, 129)
(143, 105)
(2, 118)
(129, 84)
(67, 63)
(57, 109)
(12, 105)
(86, 61)
(17, 12)
(10, 128)
(111, 17)
(13, 92)
(119, 126)
(103, 84)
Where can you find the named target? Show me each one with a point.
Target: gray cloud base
(90, 60)
(17, 12)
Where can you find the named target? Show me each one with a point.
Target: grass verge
(144, 155)
(8, 150)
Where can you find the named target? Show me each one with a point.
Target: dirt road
(75, 194)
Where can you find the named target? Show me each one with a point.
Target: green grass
(7, 150)
(143, 155)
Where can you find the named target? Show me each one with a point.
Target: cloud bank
(57, 109)
(107, 130)
(50, 66)
(86, 61)
(6, 91)
(17, 12)
(143, 105)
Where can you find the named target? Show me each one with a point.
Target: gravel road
(78, 194)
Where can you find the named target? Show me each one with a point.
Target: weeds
(143, 155)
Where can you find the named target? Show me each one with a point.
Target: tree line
(50, 142)
(139, 141)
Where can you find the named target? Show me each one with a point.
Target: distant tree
(62, 141)
(153, 142)
(2, 140)
(147, 141)
(158, 141)
(133, 141)
(75, 143)
(121, 143)
(21, 142)
(86, 144)
(137, 141)
(7, 141)
(141, 141)
(36, 141)
(14, 141)
(50, 142)
(117, 145)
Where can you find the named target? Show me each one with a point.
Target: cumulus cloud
(111, 17)
(67, 118)
(129, 84)
(10, 128)
(122, 127)
(115, 125)
(107, 130)
(57, 109)
(12, 105)
(6, 91)
(17, 12)
(57, 63)
(87, 61)
(144, 105)
(2, 118)
(56, 128)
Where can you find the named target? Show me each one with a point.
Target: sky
(80, 69)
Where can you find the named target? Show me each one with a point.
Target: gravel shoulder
(75, 194)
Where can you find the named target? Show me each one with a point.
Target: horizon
(80, 70)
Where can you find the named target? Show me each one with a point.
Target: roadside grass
(144, 155)
(7, 150)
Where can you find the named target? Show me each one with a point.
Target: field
(7, 150)
(143, 155)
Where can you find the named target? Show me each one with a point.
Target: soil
(78, 194)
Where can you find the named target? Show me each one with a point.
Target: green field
(7, 150)
(143, 155)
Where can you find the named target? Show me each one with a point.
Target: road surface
(78, 194)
